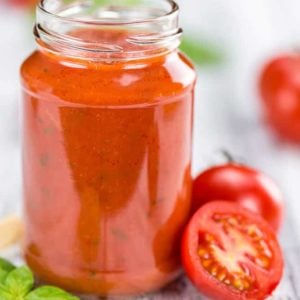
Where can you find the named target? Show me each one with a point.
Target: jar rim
(174, 9)
(152, 27)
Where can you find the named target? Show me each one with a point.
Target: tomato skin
(205, 282)
(279, 86)
(22, 3)
(243, 185)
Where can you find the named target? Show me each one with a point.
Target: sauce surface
(107, 149)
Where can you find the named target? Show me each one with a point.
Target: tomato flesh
(244, 243)
(230, 253)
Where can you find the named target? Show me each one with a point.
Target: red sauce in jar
(107, 157)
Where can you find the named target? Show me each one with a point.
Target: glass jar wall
(107, 124)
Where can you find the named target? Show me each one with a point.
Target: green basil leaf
(202, 53)
(6, 265)
(3, 275)
(5, 268)
(19, 281)
(50, 293)
(5, 293)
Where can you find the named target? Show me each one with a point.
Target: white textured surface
(227, 108)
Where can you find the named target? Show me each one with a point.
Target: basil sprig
(202, 53)
(18, 284)
(5, 268)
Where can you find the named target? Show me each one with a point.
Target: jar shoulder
(94, 83)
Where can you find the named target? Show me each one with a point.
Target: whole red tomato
(229, 253)
(243, 185)
(280, 92)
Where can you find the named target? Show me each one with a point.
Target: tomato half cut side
(229, 253)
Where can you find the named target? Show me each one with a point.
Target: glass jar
(107, 127)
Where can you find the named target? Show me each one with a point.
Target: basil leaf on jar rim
(50, 293)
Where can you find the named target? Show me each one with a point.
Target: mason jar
(107, 135)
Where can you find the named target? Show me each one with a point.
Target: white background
(227, 114)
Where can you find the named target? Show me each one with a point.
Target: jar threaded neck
(122, 31)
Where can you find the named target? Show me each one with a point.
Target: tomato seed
(246, 284)
(254, 232)
(202, 252)
(214, 270)
(238, 284)
(222, 275)
(207, 263)
(263, 245)
(263, 262)
(209, 238)
(232, 221)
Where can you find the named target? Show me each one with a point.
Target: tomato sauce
(107, 158)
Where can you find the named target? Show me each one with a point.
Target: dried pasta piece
(11, 231)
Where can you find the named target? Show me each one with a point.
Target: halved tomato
(230, 253)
